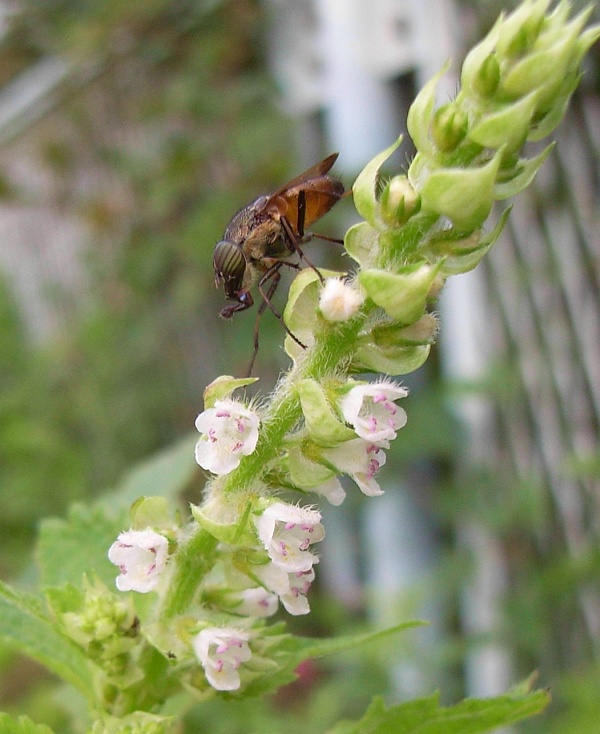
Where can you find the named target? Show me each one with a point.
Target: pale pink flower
(291, 588)
(229, 431)
(371, 410)
(221, 651)
(361, 460)
(287, 532)
(141, 556)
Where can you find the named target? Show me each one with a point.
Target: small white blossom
(291, 588)
(287, 531)
(371, 410)
(221, 651)
(339, 301)
(295, 601)
(229, 431)
(141, 556)
(256, 602)
(361, 460)
(332, 490)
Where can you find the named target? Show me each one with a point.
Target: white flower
(221, 651)
(339, 301)
(141, 556)
(291, 588)
(371, 410)
(361, 460)
(295, 601)
(256, 602)
(286, 531)
(332, 490)
(229, 431)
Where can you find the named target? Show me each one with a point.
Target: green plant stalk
(195, 558)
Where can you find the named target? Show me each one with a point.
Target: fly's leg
(301, 212)
(272, 276)
(293, 239)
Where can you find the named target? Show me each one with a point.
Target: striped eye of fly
(230, 265)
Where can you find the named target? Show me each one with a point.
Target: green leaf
(69, 549)
(166, 474)
(288, 652)
(22, 725)
(316, 648)
(426, 716)
(25, 627)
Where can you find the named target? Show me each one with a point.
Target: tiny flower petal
(287, 532)
(141, 556)
(332, 490)
(229, 431)
(257, 602)
(371, 410)
(361, 460)
(339, 301)
(291, 588)
(221, 651)
(295, 601)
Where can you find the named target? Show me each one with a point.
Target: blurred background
(130, 133)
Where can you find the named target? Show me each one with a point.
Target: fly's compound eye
(229, 263)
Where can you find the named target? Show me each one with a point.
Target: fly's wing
(316, 171)
(321, 192)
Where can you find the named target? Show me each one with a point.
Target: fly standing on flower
(262, 235)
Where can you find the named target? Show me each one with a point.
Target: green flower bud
(139, 722)
(105, 625)
(364, 189)
(521, 175)
(544, 70)
(508, 126)
(300, 314)
(464, 195)
(304, 470)
(227, 519)
(386, 336)
(520, 30)
(222, 387)
(403, 295)
(361, 243)
(323, 425)
(485, 80)
(150, 512)
(474, 78)
(449, 127)
(420, 115)
(464, 254)
(399, 201)
(389, 360)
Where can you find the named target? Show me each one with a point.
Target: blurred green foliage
(165, 124)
